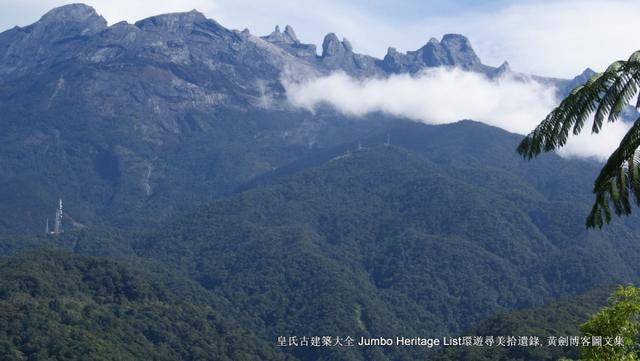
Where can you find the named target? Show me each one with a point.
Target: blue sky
(553, 38)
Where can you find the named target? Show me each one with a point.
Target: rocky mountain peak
(173, 22)
(452, 50)
(72, 12)
(432, 54)
(290, 34)
(68, 22)
(588, 73)
(286, 37)
(504, 68)
(74, 18)
(578, 80)
(459, 50)
(332, 46)
(347, 45)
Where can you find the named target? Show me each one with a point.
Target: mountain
(131, 124)
(425, 235)
(205, 217)
(453, 50)
(429, 236)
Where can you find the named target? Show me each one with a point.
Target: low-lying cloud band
(447, 95)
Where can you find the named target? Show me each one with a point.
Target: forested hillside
(60, 306)
(416, 239)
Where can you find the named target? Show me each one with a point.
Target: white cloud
(440, 95)
(436, 96)
(598, 145)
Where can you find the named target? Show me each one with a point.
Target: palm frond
(618, 179)
(604, 95)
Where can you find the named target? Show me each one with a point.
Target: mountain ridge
(451, 50)
(111, 114)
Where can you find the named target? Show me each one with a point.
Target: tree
(621, 319)
(606, 94)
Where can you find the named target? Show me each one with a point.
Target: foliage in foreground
(606, 94)
(620, 319)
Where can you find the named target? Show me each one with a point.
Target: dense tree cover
(620, 319)
(417, 239)
(59, 306)
(416, 247)
(558, 318)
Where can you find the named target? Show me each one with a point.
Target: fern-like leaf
(604, 95)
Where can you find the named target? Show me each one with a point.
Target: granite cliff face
(453, 50)
(77, 33)
(190, 61)
(131, 123)
(54, 38)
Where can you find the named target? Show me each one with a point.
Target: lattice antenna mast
(57, 227)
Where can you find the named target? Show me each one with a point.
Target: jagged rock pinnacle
(347, 45)
(290, 34)
(433, 53)
(286, 37)
(332, 46)
(504, 68)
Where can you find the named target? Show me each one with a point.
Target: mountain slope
(386, 241)
(560, 318)
(66, 307)
(426, 237)
(132, 124)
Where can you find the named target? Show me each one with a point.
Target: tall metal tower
(57, 226)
